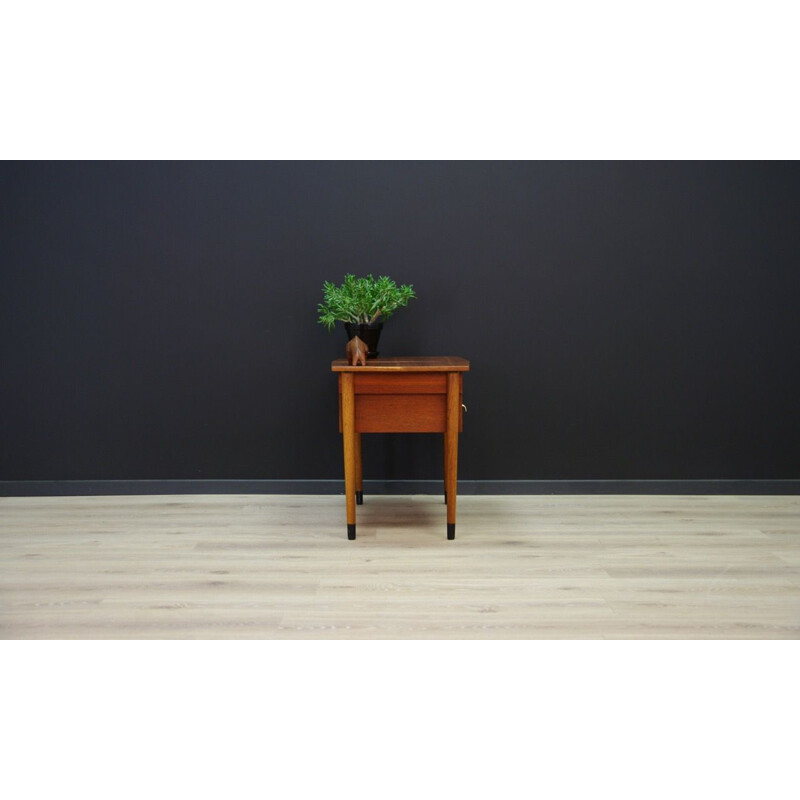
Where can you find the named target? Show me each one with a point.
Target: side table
(400, 395)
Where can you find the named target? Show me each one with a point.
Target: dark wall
(623, 320)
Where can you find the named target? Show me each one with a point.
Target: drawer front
(401, 413)
(424, 413)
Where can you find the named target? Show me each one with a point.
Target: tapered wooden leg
(359, 473)
(444, 472)
(451, 450)
(349, 440)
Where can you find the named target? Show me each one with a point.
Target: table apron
(418, 405)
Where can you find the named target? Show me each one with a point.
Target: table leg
(444, 472)
(359, 473)
(451, 450)
(349, 440)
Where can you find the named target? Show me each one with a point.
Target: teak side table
(400, 395)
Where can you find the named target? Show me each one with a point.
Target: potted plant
(362, 304)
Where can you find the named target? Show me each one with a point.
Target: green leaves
(362, 300)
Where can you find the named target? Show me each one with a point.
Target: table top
(405, 364)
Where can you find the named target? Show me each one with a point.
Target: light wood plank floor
(281, 567)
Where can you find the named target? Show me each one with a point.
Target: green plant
(362, 300)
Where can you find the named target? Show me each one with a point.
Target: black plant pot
(368, 333)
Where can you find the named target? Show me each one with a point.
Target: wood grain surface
(405, 364)
(280, 567)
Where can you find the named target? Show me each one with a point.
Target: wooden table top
(405, 364)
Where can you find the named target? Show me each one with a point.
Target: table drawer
(401, 413)
(389, 413)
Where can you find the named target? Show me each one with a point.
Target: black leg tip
(451, 530)
(359, 498)
(351, 531)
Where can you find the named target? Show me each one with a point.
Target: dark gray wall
(623, 320)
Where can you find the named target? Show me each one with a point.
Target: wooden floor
(281, 567)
